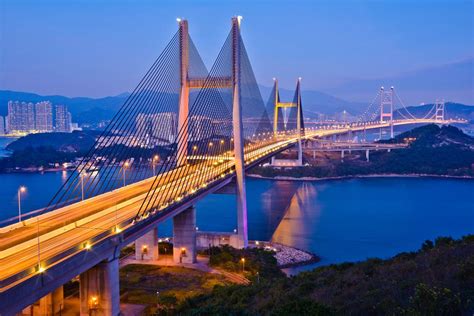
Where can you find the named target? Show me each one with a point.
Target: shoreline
(296, 261)
(34, 170)
(381, 175)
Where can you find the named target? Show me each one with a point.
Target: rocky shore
(289, 256)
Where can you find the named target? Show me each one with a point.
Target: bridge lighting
(21, 190)
(117, 230)
(178, 20)
(211, 144)
(94, 302)
(41, 269)
(239, 18)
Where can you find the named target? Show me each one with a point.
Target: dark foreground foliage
(436, 280)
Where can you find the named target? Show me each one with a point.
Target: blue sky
(98, 48)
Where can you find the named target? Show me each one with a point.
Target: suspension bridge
(185, 132)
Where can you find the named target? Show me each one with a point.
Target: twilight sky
(98, 48)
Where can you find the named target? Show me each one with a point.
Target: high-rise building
(44, 116)
(21, 117)
(2, 126)
(63, 119)
(156, 129)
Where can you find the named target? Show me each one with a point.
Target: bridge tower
(184, 224)
(242, 228)
(386, 108)
(277, 104)
(234, 83)
(439, 111)
(183, 109)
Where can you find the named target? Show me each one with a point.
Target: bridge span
(94, 216)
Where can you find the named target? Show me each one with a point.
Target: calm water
(342, 220)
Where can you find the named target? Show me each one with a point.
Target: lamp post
(243, 264)
(156, 158)
(21, 189)
(125, 166)
(83, 174)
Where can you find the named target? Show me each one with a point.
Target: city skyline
(28, 117)
(391, 38)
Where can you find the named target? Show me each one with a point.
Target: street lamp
(125, 166)
(21, 190)
(83, 174)
(243, 264)
(155, 159)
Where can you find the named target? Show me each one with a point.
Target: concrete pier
(146, 247)
(184, 236)
(49, 305)
(99, 290)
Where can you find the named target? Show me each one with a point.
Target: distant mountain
(454, 82)
(89, 110)
(316, 102)
(83, 109)
(452, 111)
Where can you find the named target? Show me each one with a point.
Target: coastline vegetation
(438, 279)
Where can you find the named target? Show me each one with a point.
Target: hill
(452, 111)
(77, 141)
(316, 102)
(438, 279)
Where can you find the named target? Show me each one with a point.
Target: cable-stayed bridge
(184, 133)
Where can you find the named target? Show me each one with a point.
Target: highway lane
(26, 258)
(71, 213)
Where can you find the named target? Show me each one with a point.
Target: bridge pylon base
(184, 236)
(99, 290)
(146, 247)
(49, 305)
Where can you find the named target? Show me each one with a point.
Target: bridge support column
(99, 290)
(342, 155)
(48, 305)
(184, 236)
(367, 157)
(300, 153)
(146, 247)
